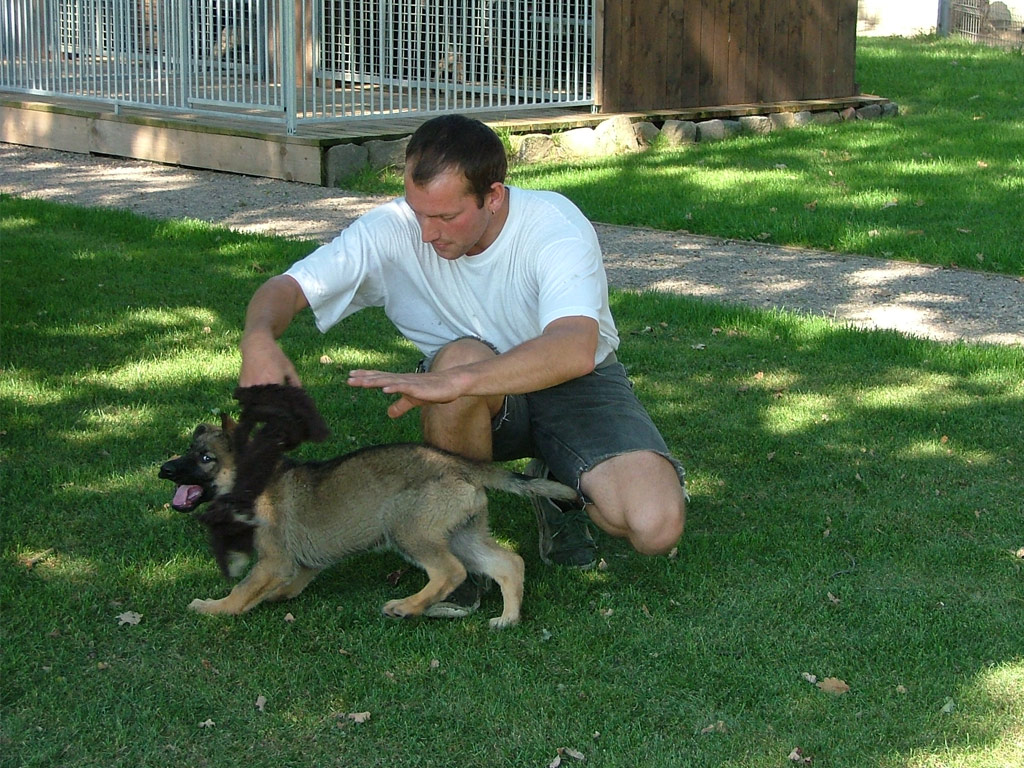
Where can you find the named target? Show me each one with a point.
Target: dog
(425, 503)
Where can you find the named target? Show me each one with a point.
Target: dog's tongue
(186, 496)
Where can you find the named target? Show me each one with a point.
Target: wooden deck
(264, 148)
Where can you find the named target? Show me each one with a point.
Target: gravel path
(942, 304)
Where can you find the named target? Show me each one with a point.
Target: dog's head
(207, 470)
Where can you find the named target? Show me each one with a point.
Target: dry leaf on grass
(207, 723)
(261, 702)
(30, 561)
(128, 617)
(834, 685)
(798, 756)
(718, 727)
(358, 717)
(566, 752)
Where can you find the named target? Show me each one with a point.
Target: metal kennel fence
(990, 23)
(301, 61)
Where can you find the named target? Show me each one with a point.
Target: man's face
(450, 218)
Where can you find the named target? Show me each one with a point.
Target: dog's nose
(167, 469)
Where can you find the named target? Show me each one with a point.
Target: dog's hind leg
(480, 553)
(444, 573)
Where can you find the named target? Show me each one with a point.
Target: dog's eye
(207, 458)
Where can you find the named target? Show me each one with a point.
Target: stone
(537, 148)
(732, 128)
(827, 117)
(616, 135)
(802, 118)
(890, 109)
(783, 120)
(758, 124)
(579, 141)
(711, 130)
(675, 133)
(387, 154)
(345, 161)
(869, 112)
(849, 113)
(645, 133)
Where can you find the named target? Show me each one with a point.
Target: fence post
(288, 53)
(942, 26)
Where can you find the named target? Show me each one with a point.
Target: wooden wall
(664, 54)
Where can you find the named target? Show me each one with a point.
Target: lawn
(856, 517)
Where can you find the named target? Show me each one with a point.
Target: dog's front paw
(502, 622)
(203, 606)
(397, 609)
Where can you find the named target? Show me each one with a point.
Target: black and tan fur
(425, 503)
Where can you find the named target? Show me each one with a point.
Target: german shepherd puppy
(427, 504)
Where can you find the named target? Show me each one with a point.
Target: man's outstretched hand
(415, 389)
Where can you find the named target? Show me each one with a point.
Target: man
(505, 293)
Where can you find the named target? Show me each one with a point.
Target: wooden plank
(792, 54)
(616, 41)
(642, 70)
(678, 73)
(846, 50)
(829, 47)
(754, 43)
(738, 53)
(721, 56)
(656, 35)
(706, 52)
(812, 63)
(693, 30)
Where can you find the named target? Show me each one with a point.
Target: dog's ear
(227, 423)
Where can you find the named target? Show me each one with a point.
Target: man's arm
(270, 312)
(565, 350)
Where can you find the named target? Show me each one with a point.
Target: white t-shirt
(545, 264)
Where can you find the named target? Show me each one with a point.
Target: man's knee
(463, 351)
(656, 531)
(638, 496)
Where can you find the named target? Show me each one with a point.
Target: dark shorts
(576, 425)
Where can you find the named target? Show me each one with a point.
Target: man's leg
(462, 426)
(637, 496)
(594, 431)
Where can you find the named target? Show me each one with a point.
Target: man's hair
(457, 143)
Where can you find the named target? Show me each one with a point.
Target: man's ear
(227, 423)
(495, 197)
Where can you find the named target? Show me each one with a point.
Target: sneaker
(564, 528)
(462, 601)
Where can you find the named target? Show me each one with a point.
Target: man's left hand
(416, 389)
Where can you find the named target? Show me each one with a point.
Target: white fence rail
(300, 61)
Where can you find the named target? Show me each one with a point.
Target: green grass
(856, 513)
(941, 184)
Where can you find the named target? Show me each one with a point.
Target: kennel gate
(301, 61)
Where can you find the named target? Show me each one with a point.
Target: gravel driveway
(942, 304)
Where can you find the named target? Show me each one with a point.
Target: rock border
(616, 135)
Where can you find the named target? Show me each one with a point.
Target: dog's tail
(524, 485)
